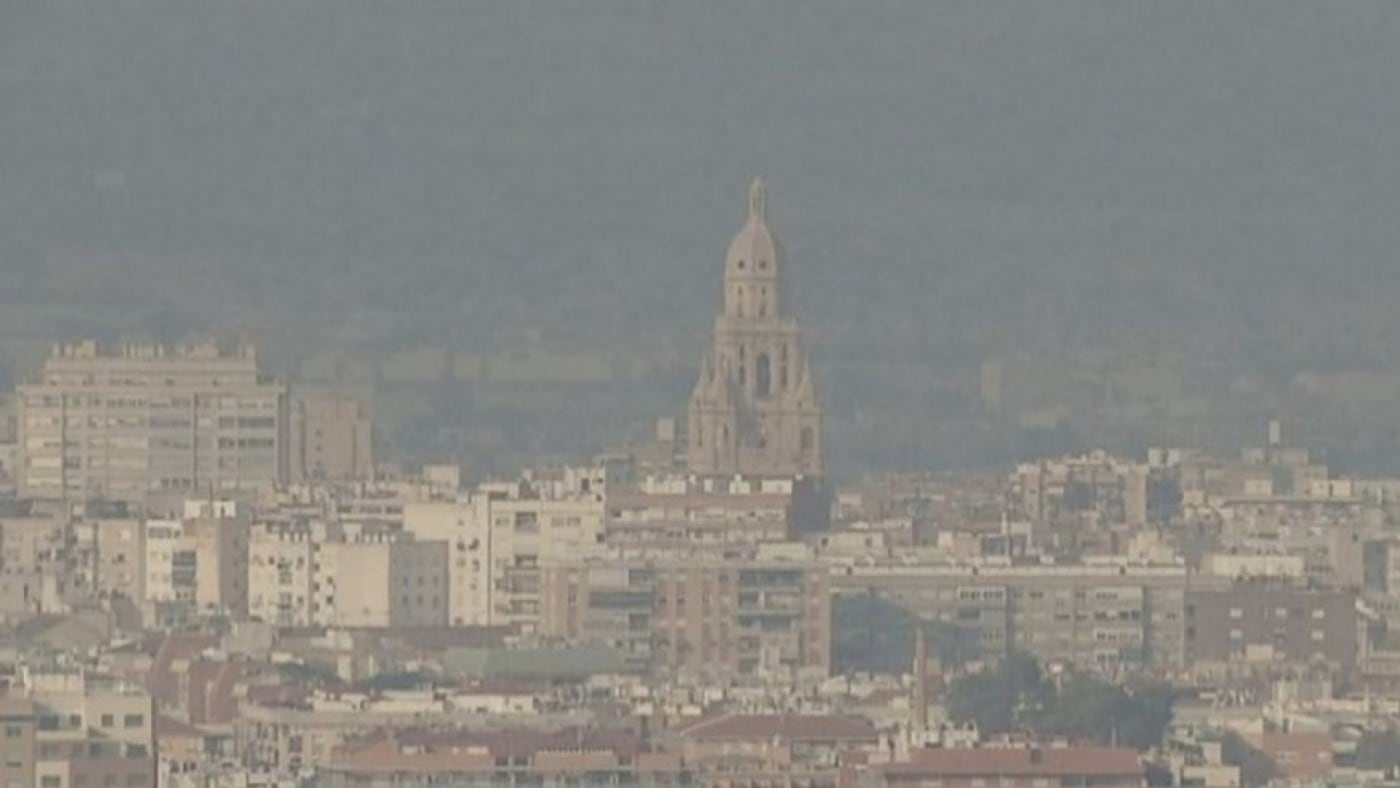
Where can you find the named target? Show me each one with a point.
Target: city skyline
(753, 395)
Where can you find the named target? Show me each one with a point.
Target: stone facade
(754, 409)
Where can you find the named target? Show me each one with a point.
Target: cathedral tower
(754, 409)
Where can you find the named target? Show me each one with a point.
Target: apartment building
(196, 566)
(706, 613)
(385, 582)
(1097, 486)
(1110, 615)
(311, 573)
(284, 581)
(33, 544)
(119, 557)
(332, 438)
(415, 757)
(144, 420)
(1272, 622)
(18, 748)
(88, 730)
(676, 510)
(499, 536)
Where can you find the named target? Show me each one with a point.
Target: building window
(134, 720)
(764, 375)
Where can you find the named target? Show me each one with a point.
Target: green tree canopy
(1016, 695)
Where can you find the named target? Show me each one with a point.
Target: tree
(1256, 767)
(1378, 750)
(871, 634)
(1008, 697)
(308, 674)
(1014, 696)
(406, 680)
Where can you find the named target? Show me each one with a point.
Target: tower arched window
(808, 441)
(739, 301)
(743, 367)
(763, 376)
(783, 367)
(763, 302)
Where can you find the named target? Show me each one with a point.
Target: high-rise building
(143, 420)
(331, 438)
(754, 409)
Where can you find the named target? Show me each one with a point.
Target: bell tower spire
(754, 409)
(758, 209)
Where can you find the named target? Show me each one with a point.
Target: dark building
(1272, 623)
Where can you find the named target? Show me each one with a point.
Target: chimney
(920, 678)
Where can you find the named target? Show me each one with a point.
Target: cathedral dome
(755, 252)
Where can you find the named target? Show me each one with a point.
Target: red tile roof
(807, 727)
(162, 681)
(170, 728)
(429, 751)
(1019, 762)
(502, 743)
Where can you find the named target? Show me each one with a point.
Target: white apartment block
(328, 574)
(498, 537)
(198, 564)
(385, 583)
(145, 420)
(283, 577)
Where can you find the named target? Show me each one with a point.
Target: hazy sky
(606, 145)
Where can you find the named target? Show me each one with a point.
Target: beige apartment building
(389, 581)
(144, 419)
(120, 558)
(312, 573)
(709, 614)
(284, 577)
(32, 544)
(197, 565)
(1096, 487)
(1110, 615)
(499, 537)
(18, 750)
(87, 730)
(332, 438)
